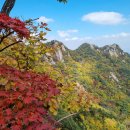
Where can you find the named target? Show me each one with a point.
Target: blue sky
(98, 22)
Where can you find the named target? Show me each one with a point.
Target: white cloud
(73, 42)
(72, 39)
(63, 34)
(105, 18)
(45, 19)
(67, 33)
(119, 35)
(106, 38)
(80, 39)
(72, 31)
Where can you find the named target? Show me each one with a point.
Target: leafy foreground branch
(12, 27)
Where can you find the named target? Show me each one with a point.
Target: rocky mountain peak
(113, 50)
(58, 53)
(57, 44)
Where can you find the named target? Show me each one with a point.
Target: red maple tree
(12, 27)
(23, 98)
(13, 24)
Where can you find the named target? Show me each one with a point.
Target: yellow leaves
(42, 34)
(53, 106)
(5, 42)
(91, 123)
(68, 99)
(50, 70)
(74, 106)
(3, 81)
(8, 86)
(96, 106)
(58, 129)
(2, 60)
(82, 117)
(111, 124)
(7, 60)
(74, 98)
(53, 110)
(25, 55)
(11, 62)
(120, 96)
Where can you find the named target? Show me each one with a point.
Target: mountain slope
(104, 72)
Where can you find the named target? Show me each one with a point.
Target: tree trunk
(7, 7)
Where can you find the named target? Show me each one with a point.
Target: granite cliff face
(58, 53)
(113, 50)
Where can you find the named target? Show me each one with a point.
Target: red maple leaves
(22, 100)
(14, 24)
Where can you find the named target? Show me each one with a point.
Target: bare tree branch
(67, 117)
(9, 45)
(1, 40)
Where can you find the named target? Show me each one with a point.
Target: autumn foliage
(23, 100)
(27, 96)
(7, 23)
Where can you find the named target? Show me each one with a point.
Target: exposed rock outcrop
(112, 50)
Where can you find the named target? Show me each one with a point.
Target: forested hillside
(46, 86)
(101, 71)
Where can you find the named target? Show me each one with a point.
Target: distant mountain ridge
(85, 50)
(110, 57)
